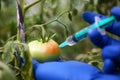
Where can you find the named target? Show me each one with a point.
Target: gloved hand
(110, 47)
(74, 70)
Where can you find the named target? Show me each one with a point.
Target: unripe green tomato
(43, 52)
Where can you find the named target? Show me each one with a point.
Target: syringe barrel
(82, 34)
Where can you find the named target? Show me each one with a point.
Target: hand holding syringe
(82, 34)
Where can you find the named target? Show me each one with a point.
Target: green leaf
(8, 52)
(27, 73)
(6, 73)
(70, 16)
(74, 11)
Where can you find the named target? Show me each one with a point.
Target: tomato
(42, 52)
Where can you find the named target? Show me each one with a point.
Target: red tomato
(47, 51)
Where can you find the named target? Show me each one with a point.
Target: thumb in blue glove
(69, 70)
(110, 47)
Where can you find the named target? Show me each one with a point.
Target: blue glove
(110, 47)
(74, 70)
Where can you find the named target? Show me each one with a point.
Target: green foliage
(13, 52)
(5, 72)
(0, 5)
(93, 57)
(59, 17)
(102, 7)
(7, 20)
(8, 52)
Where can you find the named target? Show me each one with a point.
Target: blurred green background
(48, 10)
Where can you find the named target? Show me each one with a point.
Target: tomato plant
(57, 16)
(44, 51)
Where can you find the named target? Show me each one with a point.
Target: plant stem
(11, 38)
(22, 5)
(56, 19)
(26, 7)
(66, 30)
(18, 35)
(39, 25)
(49, 22)
(41, 11)
(20, 19)
(62, 14)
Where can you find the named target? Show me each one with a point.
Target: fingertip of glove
(108, 52)
(116, 12)
(90, 16)
(95, 37)
(93, 33)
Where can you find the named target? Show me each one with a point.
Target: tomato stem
(66, 30)
(46, 38)
(20, 19)
(13, 37)
(26, 7)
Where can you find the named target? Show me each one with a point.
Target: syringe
(82, 34)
